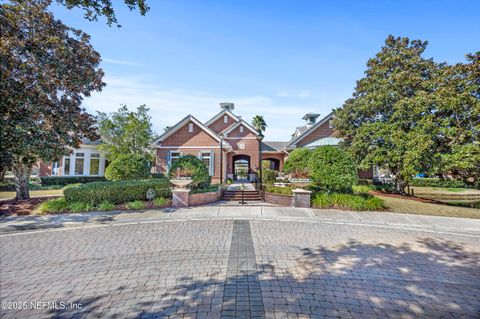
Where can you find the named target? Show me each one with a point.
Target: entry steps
(236, 195)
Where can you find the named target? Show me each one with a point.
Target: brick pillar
(301, 198)
(180, 197)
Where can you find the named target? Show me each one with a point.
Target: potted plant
(300, 178)
(182, 177)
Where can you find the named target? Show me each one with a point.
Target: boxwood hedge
(65, 180)
(116, 192)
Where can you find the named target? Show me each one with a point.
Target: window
(79, 162)
(55, 168)
(330, 124)
(66, 167)
(225, 119)
(241, 128)
(190, 127)
(206, 158)
(94, 164)
(174, 156)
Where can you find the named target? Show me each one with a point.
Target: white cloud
(168, 106)
(295, 94)
(120, 62)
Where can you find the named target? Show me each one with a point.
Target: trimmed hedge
(116, 192)
(196, 169)
(332, 170)
(66, 180)
(438, 182)
(347, 201)
(279, 190)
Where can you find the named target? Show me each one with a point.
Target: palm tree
(259, 123)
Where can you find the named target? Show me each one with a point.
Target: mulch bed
(417, 199)
(21, 207)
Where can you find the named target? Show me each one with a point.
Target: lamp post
(221, 158)
(260, 138)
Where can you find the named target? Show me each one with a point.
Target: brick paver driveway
(228, 268)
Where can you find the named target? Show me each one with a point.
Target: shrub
(160, 201)
(116, 192)
(157, 175)
(66, 180)
(52, 206)
(269, 176)
(106, 206)
(229, 181)
(332, 169)
(135, 205)
(278, 190)
(437, 182)
(79, 207)
(347, 201)
(196, 168)
(362, 189)
(297, 161)
(211, 188)
(128, 166)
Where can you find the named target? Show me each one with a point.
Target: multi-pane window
(79, 163)
(94, 164)
(207, 160)
(66, 167)
(174, 156)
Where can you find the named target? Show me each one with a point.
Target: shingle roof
(273, 146)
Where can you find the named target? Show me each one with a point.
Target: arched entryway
(272, 163)
(241, 167)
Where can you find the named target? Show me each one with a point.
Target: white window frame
(241, 128)
(170, 157)
(84, 158)
(211, 160)
(93, 156)
(190, 127)
(225, 119)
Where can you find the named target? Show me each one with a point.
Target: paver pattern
(226, 268)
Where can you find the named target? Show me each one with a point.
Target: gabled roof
(220, 114)
(311, 129)
(273, 146)
(237, 124)
(183, 122)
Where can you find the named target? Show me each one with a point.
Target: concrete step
(234, 195)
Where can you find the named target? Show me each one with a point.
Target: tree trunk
(399, 185)
(3, 171)
(21, 173)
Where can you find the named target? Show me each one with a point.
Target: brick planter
(204, 198)
(278, 199)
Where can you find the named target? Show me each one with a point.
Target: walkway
(450, 225)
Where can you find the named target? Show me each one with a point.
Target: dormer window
(225, 119)
(241, 128)
(190, 127)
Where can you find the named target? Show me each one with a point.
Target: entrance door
(241, 167)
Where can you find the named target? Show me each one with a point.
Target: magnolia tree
(47, 69)
(412, 115)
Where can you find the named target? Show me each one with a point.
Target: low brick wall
(204, 198)
(278, 199)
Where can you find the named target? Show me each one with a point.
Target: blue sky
(279, 59)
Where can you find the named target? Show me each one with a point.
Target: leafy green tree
(96, 8)
(297, 161)
(390, 120)
(194, 168)
(332, 169)
(259, 123)
(47, 69)
(457, 101)
(125, 132)
(128, 166)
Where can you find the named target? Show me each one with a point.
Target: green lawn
(400, 205)
(33, 193)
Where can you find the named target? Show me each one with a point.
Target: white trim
(216, 117)
(310, 130)
(241, 122)
(182, 123)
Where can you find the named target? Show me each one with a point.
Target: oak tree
(46, 70)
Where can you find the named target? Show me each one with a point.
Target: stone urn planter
(300, 182)
(181, 183)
